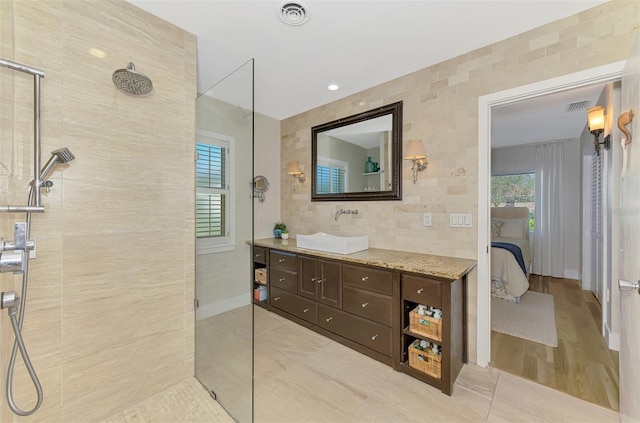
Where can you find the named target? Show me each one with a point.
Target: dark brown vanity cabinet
(368, 308)
(320, 280)
(449, 296)
(259, 269)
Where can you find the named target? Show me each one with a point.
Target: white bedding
(505, 267)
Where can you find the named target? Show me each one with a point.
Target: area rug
(532, 319)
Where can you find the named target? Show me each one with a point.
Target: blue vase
(369, 166)
(277, 233)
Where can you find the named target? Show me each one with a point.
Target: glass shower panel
(224, 224)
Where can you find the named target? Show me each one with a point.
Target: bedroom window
(515, 190)
(213, 195)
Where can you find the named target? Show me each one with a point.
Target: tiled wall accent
(110, 308)
(441, 109)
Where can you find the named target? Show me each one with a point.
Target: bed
(510, 252)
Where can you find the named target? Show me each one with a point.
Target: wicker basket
(425, 325)
(426, 362)
(261, 276)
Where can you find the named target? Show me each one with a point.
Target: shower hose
(16, 323)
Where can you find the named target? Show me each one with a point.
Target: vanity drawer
(283, 260)
(422, 290)
(367, 278)
(365, 332)
(284, 279)
(260, 255)
(367, 304)
(293, 304)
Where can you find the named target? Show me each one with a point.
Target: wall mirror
(260, 186)
(358, 157)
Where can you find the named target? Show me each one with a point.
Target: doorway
(599, 75)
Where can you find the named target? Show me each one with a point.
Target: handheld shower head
(61, 155)
(131, 81)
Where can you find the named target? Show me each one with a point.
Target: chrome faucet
(343, 211)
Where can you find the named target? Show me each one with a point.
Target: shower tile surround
(103, 327)
(441, 108)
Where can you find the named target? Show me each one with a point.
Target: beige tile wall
(110, 308)
(441, 109)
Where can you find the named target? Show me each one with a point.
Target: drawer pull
(419, 291)
(305, 310)
(321, 280)
(374, 337)
(364, 278)
(276, 298)
(365, 304)
(281, 260)
(314, 279)
(328, 319)
(258, 255)
(281, 279)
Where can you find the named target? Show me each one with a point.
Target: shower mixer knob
(47, 185)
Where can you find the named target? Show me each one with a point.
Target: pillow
(495, 228)
(511, 228)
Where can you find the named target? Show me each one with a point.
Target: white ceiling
(358, 43)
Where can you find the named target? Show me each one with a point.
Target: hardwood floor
(581, 365)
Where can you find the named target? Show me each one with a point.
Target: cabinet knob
(419, 291)
(280, 260)
(276, 298)
(281, 279)
(364, 278)
(321, 280)
(314, 279)
(374, 337)
(365, 304)
(328, 319)
(306, 309)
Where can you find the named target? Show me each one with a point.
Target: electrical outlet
(426, 219)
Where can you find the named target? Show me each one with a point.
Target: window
(331, 176)
(213, 195)
(515, 191)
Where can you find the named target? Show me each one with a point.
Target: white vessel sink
(328, 243)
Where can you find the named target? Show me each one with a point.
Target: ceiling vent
(578, 105)
(293, 13)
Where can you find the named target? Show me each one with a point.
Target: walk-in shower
(14, 254)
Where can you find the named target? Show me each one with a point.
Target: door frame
(598, 75)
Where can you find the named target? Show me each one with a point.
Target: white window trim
(329, 162)
(227, 243)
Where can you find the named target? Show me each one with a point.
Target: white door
(630, 256)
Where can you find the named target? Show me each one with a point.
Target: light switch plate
(426, 219)
(460, 220)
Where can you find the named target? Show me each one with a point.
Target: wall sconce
(595, 120)
(415, 153)
(296, 173)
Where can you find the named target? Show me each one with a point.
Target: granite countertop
(431, 265)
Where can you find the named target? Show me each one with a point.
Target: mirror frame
(395, 110)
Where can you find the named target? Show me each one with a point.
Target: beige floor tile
(187, 402)
(548, 404)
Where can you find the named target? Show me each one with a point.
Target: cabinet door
(330, 283)
(307, 277)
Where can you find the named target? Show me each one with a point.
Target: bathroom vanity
(366, 300)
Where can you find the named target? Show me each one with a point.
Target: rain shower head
(61, 155)
(131, 81)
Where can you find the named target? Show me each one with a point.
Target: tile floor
(301, 376)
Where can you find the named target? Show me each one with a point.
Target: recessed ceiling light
(293, 12)
(333, 86)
